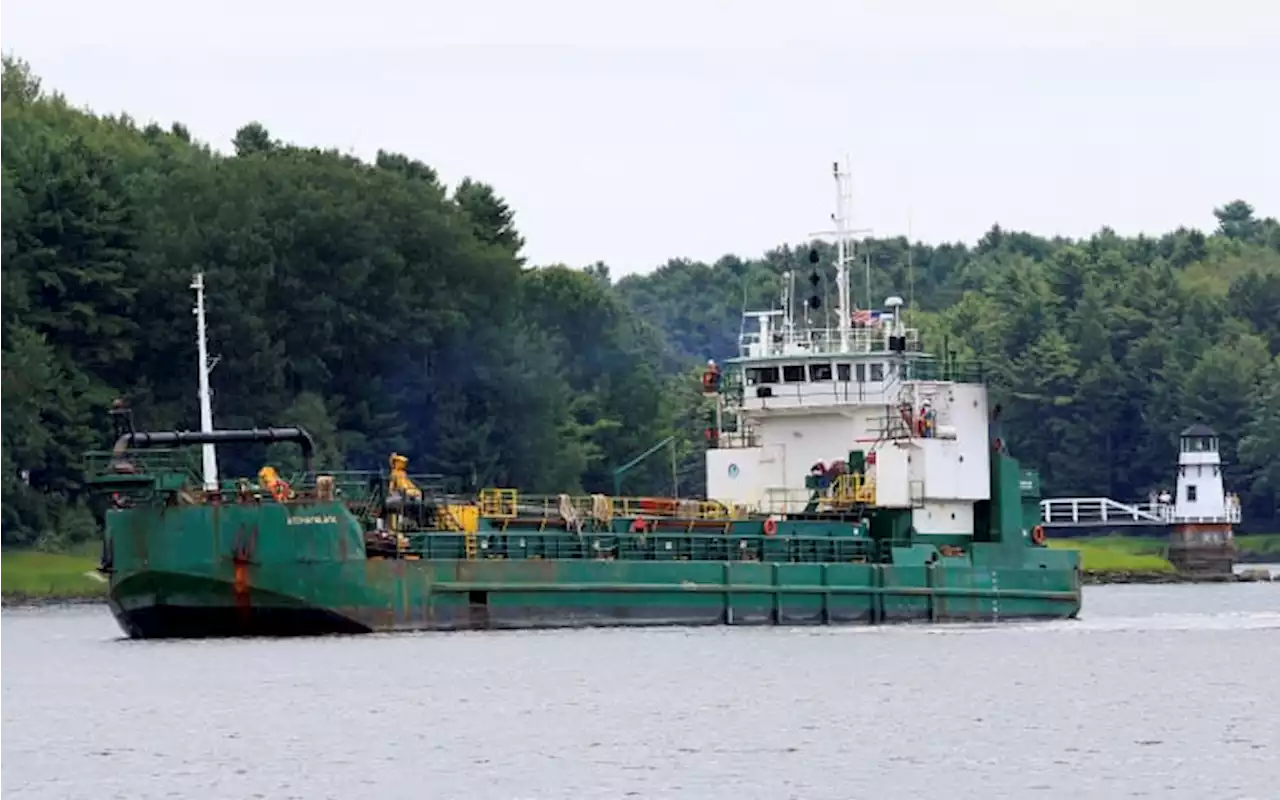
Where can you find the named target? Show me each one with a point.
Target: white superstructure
(806, 390)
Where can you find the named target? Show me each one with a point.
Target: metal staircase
(892, 426)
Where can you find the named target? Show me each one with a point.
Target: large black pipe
(163, 438)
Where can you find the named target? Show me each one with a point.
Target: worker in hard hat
(711, 377)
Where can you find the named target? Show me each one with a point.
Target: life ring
(770, 526)
(1037, 535)
(637, 525)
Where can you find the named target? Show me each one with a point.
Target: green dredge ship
(852, 478)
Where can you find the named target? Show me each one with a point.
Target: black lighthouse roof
(1199, 429)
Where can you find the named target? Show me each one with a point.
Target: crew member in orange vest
(711, 377)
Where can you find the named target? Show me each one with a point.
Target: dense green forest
(385, 311)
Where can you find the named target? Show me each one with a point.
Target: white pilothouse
(805, 394)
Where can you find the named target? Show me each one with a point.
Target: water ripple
(1155, 692)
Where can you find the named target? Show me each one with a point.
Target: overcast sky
(633, 133)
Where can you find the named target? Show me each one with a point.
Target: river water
(1157, 691)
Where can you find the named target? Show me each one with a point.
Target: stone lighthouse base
(1205, 550)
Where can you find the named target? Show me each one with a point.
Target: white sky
(633, 133)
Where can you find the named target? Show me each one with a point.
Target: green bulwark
(358, 553)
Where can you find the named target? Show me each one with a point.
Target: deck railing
(362, 490)
(650, 546)
(502, 503)
(824, 341)
(102, 464)
(853, 489)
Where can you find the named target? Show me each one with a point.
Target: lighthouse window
(1200, 444)
(877, 372)
(793, 374)
(762, 375)
(1191, 492)
(842, 372)
(819, 372)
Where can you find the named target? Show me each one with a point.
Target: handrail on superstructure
(822, 342)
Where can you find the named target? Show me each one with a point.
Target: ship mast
(209, 455)
(843, 312)
(844, 255)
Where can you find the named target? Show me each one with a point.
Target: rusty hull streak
(138, 533)
(244, 603)
(242, 558)
(545, 570)
(217, 533)
(403, 600)
(402, 608)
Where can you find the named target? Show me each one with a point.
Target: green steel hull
(292, 586)
(408, 596)
(311, 566)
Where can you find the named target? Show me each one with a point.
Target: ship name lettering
(322, 519)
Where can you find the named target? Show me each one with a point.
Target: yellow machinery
(276, 486)
(400, 483)
(852, 489)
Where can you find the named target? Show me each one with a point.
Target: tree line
(387, 312)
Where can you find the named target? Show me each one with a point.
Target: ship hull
(314, 567)
(443, 595)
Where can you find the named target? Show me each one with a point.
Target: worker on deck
(711, 377)
(276, 486)
(119, 417)
(928, 420)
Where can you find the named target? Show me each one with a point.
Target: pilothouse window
(762, 375)
(819, 372)
(793, 374)
(877, 372)
(842, 372)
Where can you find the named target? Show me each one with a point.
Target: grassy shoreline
(31, 577)
(1112, 554)
(1260, 548)
(1137, 559)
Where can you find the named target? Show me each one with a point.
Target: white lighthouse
(1201, 539)
(1201, 497)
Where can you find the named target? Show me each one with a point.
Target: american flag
(866, 317)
